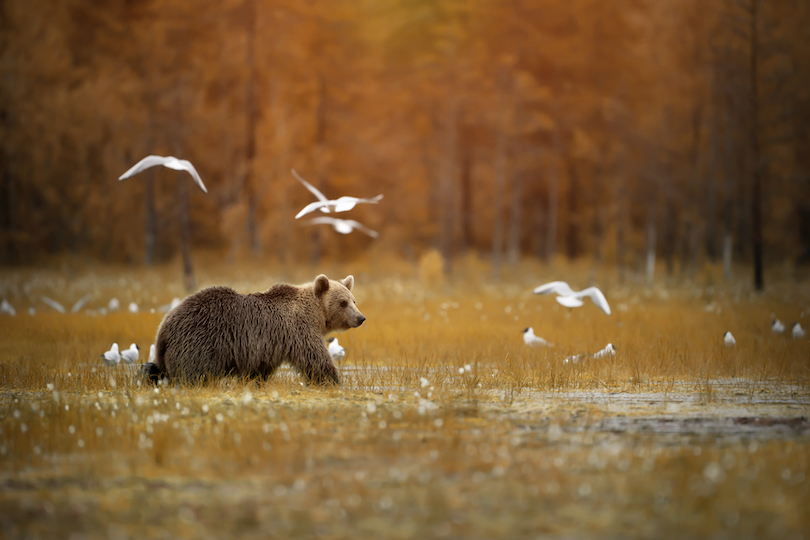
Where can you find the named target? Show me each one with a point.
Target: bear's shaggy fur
(218, 332)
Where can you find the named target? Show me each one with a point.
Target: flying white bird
(729, 340)
(341, 204)
(571, 298)
(114, 304)
(777, 327)
(130, 356)
(133, 307)
(798, 331)
(80, 304)
(168, 161)
(337, 352)
(54, 304)
(343, 226)
(534, 341)
(111, 357)
(608, 350)
(6, 308)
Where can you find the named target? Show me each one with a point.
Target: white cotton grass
(112, 357)
(114, 304)
(336, 351)
(343, 226)
(133, 307)
(728, 340)
(341, 204)
(170, 162)
(532, 340)
(570, 298)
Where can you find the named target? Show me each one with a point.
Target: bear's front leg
(317, 366)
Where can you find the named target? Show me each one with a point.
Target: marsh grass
(445, 425)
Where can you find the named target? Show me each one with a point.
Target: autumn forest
(615, 131)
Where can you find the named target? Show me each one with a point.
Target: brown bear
(218, 332)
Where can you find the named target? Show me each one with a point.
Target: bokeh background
(581, 128)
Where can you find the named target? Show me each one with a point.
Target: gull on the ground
(170, 306)
(532, 340)
(343, 226)
(570, 298)
(112, 357)
(114, 304)
(6, 308)
(80, 304)
(337, 352)
(608, 350)
(729, 340)
(130, 356)
(798, 331)
(341, 204)
(54, 304)
(169, 161)
(133, 307)
(152, 353)
(777, 327)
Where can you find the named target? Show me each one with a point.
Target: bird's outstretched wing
(558, 287)
(54, 304)
(311, 207)
(320, 196)
(344, 204)
(359, 226)
(185, 165)
(598, 298)
(142, 165)
(80, 304)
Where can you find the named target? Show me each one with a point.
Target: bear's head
(338, 302)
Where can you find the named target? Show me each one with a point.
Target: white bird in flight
(112, 357)
(798, 331)
(729, 340)
(80, 304)
(343, 226)
(571, 298)
(337, 352)
(130, 356)
(532, 340)
(777, 327)
(54, 304)
(341, 204)
(169, 161)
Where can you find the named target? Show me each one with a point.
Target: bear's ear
(321, 284)
(348, 282)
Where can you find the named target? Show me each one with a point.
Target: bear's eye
(344, 303)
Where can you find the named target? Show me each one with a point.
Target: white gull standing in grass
(729, 340)
(151, 353)
(130, 356)
(133, 307)
(798, 331)
(343, 226)
(570, 298)
(6, 308)
(777, 327)
(112, 357)
(337, 352)
(169, 161)
(608, 350)
(532, 340)
(341, 204)
(54, 304)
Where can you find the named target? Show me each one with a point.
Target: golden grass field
(676, 436)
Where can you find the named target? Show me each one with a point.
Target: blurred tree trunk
(185, 227)
(651, 241)
(500, 181)
(711, 181)
(573, 216)
(515, 219)
(149, 229)
(321, 128)
(756, 195)
(447, 183)
(251, 112)
(466, 195)
(554, 191)
(729, 203)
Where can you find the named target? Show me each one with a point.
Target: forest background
(616, 131)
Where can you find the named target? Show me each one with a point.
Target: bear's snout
(360, 319)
